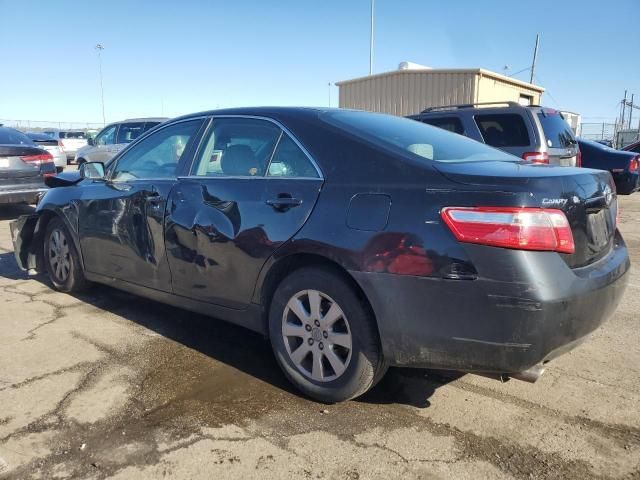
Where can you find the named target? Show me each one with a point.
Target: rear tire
(324, 336)
(61, 259)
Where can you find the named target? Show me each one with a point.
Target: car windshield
(8, 136)
(556, 129)
(416, 138)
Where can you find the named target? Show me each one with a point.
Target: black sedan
(353, 240)
(23, 167)
(623, 165)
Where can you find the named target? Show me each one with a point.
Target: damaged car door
(122, 218)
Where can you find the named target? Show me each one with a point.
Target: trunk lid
(13, 167)
(587, 197)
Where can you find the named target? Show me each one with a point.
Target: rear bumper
(626, 182)
(493, 326)
(20, 194)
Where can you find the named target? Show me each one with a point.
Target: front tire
(61, 259)
(324, 336)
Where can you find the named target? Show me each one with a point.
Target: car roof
(144, 119)
(296, 112)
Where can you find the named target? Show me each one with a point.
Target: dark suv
(533, 133)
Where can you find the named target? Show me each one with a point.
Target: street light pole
(100, 47)
(371, 41)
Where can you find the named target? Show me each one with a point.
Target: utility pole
(631, 111)
(535, 57)
(100, 47)
(371, 41)
(624, 106)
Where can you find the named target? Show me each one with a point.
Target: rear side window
(9, 136)
(503, 130)
(556, 130)
(453, 124)
(290, 161)
(128, 132)
(238, 147)
(150, 125)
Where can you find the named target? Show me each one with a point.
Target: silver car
(51, 145)
(531, 132)
(113, 138)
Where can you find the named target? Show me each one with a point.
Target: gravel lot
(111, 385)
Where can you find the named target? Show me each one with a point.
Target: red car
(633, 147)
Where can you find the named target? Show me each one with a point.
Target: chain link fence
(598, 131)
(40, 125)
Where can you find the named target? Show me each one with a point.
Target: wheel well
(36, 246)
(295, 262)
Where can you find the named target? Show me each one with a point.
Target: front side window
(503, 130)
(158, 155)
(106, 136)
(410, 137)
(237, 147)
(452, 124)
(128, 132)
(290, 161)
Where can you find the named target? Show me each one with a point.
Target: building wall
(495, 89)
(407, 92)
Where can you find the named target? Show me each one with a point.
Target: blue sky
(175, 57)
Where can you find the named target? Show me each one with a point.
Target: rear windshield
(416, 138)
(556, 130)
(72, 135)
(503, 130)
(8, 136)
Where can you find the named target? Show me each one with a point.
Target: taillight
(634, 164)
(37, 159)
(536, 157)
(521, 228)
(579, 159)
(61, 146)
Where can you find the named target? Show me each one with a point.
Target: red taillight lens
(61, 146)
(579, 159)
(536, 157)
(37, 159)
(634, 164)
(520, 228)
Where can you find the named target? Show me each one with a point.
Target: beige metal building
(410, 90)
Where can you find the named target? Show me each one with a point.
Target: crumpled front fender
(22, 235)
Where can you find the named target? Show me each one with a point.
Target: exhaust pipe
(530, 375)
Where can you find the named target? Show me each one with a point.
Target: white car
(71, 140)
(51, 145)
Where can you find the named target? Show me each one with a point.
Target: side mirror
(92, 170)
(91, 142)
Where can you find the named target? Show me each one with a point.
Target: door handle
(284, 203)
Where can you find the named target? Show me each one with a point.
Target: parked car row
(355, 241)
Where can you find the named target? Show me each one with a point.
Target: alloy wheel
(59, 255)
(316, 335)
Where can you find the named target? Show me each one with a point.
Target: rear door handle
(284, 203)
